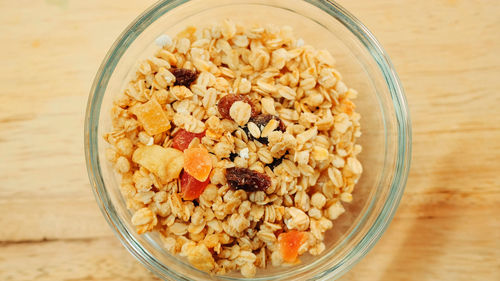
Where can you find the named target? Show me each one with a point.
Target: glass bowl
(385, 124)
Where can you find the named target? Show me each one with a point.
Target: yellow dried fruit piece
(166, 163)
(152, 117)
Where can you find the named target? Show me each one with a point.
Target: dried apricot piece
(152, 117)
(197, 163)
(191, 188)
(183, 138)
(290, 243)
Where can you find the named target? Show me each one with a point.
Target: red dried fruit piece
(246, 179)
(225, 103)
(184, 76)
(261, 120)
(191, 188)
(183, 138)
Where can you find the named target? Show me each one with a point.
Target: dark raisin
(276, 162)
(246, 179)
(261, 120)
(225, 103)
(262, 140)
(232, 156)
(184, 76)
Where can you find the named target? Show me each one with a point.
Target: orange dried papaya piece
(197, 163)
(290, 243)
(152, 117)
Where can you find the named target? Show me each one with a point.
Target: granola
(238, 145)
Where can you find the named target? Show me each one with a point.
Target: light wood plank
(72, 260)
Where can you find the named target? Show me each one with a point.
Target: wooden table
(447, 55)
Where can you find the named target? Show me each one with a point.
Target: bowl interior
(318, 26)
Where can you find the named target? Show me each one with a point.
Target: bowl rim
(403, 127)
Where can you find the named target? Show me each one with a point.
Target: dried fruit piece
(166, 163)
(261, 120)
(290, 243)
(184, 76)
(191, 188)
(225, 103)
(232, 156)
(246, 179)
(152, 117)
(183, 138)
(277, 161)
(197, 162)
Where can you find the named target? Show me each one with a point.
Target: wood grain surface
(446, 53)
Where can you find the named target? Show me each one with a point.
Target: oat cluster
(259, 101)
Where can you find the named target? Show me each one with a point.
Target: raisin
(276, 162)
(261, 121)
(246, 179)
(184, 76)
(225, 103)
(232, 156)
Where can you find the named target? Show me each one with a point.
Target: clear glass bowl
(386, 138)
